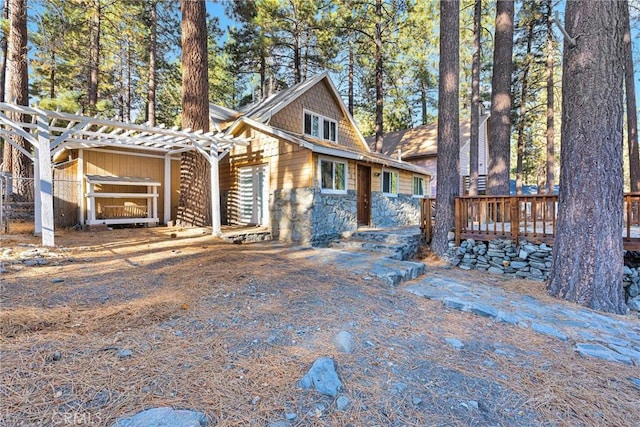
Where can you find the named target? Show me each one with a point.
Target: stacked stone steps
(400, 244)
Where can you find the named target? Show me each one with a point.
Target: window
(418, 186)
(333, 176)
(320, 127)
(390, 183)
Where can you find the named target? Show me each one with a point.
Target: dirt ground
(114, 322)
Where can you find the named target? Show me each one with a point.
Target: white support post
(91, 206)
(81, 199)
(37, 205)
(45, 178)
(167, 189)
(215, 192)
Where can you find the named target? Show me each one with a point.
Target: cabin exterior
(419, 146)
(308, 173)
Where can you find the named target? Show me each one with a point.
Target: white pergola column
(167, 189)
(215, 192)
(45, 182)
(81, 198)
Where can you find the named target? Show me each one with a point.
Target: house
(307, 172)
(419, 146)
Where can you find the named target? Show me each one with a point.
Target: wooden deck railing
(531, 218)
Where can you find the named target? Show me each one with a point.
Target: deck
(530, 218)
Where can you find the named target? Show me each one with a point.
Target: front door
(364, 195)
(253, 195)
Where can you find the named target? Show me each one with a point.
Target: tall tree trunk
(52, 76)
(297, 60)
(448, 173)
(500, 121)
(587, 254)
(351, 68)
(475, 101)
(630, 95)
(153, 46)
(523, 109)
(127, 107)
(94, 55)
(551, 156)
(423, 99)
(379, 128)
(194, 207)
(7, 149)
(18, 88)
(4, 46)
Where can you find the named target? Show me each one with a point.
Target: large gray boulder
(164, 417)
(323, 377)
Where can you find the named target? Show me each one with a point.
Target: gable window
(320, 127)
(418, 186)
(389, 182)
(333, 176)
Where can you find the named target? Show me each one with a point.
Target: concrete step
(398, 243)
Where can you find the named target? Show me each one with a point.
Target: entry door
(364, 195)
(253, 195)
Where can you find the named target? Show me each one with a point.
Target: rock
(30, 262)
(323, 377)
(278, 424)
(634, 290)
(601, 352)
(635, 381)
(519, 264)
(164, 417)
(416, 401)
(455, 343)
(290, 416)
(344, 341)
(343, 403)
(57, 280)
(545, 329)
(56, 356)
(124, 353)
(398, 388)
(496, 270)
(523, 254)
(634, 304)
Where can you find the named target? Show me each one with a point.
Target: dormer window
(320, 127)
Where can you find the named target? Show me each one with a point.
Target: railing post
(515, 218)
(457, 219)
(427, 210)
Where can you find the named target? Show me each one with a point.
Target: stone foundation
(308, 216)
(528, 261)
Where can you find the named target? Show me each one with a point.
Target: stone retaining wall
(525, 260)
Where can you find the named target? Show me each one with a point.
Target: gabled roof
(420, 141)
(263, 111)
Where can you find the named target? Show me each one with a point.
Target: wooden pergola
(50, 132)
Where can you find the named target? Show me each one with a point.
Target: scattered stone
(124, 353)
(473, 404)
(416, 401)
(164, 417)
(548, 330)
(484, 310)
(344, 341)
(57, 280)
(178, 333)
(635, 381)
(601, 352)
(278, 424)
(56, 356)
(343, 403)
(398, 388)
(323, 377)
(290, 416)
(255, 400)
(455, 343)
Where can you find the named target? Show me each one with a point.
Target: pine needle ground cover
(114, 322)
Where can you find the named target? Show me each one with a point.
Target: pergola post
(45, 182)
(167, 189)
(81, 198)
(215, 191)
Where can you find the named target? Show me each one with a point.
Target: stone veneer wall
(306, 215)
(524, 260)
(394, 211)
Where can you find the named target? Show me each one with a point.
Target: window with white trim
(389, 182)
(418, 186)
(333, 176)
(320, 127)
